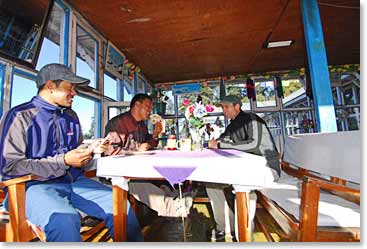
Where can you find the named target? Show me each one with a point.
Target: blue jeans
(51, 205)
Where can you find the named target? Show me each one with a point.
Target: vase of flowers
(194, 114)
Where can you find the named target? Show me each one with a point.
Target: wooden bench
(317, 197)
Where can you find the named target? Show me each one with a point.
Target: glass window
(18, 94)
(111, 87)
(239, 89)
(272, 119)
(86, 56)
(21, 25)
(292, 90)
(170, 105)
(128, 90)
(114, 111)
(149, 88)
(349, 98)
(50, 50)
(297, 122)
(87, 110)
(140, 88)
(2, 80)
(265, 93)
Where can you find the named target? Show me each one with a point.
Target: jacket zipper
(58, 142)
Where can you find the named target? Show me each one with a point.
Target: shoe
(221, 236)
(217, 235)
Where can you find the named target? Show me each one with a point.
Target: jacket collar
(41, 103)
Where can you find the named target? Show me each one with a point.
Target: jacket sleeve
(13, 155)
(254, 138)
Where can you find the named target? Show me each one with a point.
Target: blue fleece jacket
(34, 138)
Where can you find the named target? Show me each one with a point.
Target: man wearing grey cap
(246, 132)
(42, 137)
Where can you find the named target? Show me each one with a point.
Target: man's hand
(78, 157)
(157, 129)
(144, 147)
(99, 146)
(213, 144)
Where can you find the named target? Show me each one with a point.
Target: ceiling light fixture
(278, 44)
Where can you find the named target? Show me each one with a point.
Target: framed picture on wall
(114, 62)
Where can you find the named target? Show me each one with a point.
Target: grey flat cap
(56, 71)
(231, 99)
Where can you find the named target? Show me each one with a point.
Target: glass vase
(197, 140)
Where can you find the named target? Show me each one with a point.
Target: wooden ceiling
(174, 40)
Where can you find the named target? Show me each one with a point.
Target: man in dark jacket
(42, 137)
(246, 132)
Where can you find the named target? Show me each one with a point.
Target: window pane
(292, 90)
(50, 50)
(114, 111)
(265, 93)
(298, 122)
(18, 94)
(149, 88)
(85, 56)
(2, 80)
(128, 90)
(110, 87)
(86, 110)
(272, 119)
(239, 89)
(349, 98)
(140, 85)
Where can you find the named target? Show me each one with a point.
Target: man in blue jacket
(41, 137)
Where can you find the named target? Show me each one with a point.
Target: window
(128, 90)
(86, 50)
(50, 50)
(293, 91)
(22, 80)
(111, 87)
(114, 111)
(272, 119)
(265, 93)
(239, 89)
(2, 80)
(148, 88)
(88, 113)
(140, 84)
(21, 29)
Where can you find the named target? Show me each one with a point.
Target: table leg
(243, 216)
(119, 197)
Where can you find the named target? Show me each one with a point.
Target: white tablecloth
(243, 170)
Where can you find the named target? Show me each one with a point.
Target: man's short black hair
(140, 97)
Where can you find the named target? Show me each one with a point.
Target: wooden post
(243, 217)
(309, 211)
(119, 197)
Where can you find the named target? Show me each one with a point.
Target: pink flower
(191, 109)
(209, 108)
(186, 102)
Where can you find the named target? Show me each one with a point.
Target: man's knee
(63, 227)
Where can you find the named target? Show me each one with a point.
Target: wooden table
(244, 171)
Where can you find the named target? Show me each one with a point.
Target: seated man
(130, 126)
(41, 137)
(246, 132)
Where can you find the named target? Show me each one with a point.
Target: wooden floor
(197, 227)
